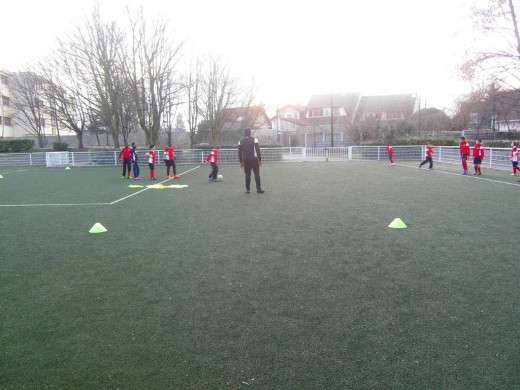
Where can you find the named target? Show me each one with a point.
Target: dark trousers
(170, 163)
(214, 171)
(252, 165)
(127, 165)
(428, 159)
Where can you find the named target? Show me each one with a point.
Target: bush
(16, 145)
(60, 146)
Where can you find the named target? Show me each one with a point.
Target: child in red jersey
(464, 153)
(169, 160)
(212, 158)
(126, 152)
(514, 158)
(428, 156)
(390, 152)
(478, 156)
(151, 160)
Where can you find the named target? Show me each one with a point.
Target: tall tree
(100, 47)
(192, 94)
(152, 74)
(218, 91)
(30, 104)
(495, 56)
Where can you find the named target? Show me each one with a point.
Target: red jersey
(151, 156)
(464, 148)
(212, 156)
(126, 152)
(478, 151)
(169, 153)
(428, 152)
(514, 154)
(389, 149)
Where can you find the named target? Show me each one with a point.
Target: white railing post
(350, 153)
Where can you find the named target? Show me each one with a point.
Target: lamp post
(331, 123)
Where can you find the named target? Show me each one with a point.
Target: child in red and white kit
(514, 158)
(151, 161)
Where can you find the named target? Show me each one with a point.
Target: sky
(289, 49)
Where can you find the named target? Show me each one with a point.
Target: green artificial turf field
(303, 287)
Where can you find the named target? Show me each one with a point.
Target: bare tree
(29, 103)
(66, 92)
(100, 47)
(218, 91)
(151, 71)
(192, 91)
(497, 58)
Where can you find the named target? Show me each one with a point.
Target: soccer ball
(219, 177)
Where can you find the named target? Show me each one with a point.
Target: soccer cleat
(248, 191)
(168, 177)
(480, 173)
(122, 177)
(465, 172)
(260, 191)
(176, 177)
(474, 173)
(153, 178)
(513, 174)
(137, 178)
(392, 163)
(128, 177)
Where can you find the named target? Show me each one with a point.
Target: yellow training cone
(1, 177)
(397, 224)
(67, 168)
(97, 228)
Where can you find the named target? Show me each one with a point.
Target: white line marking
(88, 204)
(458, 174)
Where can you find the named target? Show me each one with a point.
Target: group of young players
(465, 152)
(131, 161)
(249, 156)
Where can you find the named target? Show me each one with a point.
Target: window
(4, 79)
(5, 121)
(5, 100)
(393, 115)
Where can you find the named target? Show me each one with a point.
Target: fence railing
(496, 158)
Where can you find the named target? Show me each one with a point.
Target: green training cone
(97, 228)
(397, 224)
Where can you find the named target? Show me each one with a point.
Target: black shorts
(477, 160)
(464, 157)
(515, 163)
(150, 165)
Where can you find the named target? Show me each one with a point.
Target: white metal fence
(496, 158)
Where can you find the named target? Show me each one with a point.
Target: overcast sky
(292, 49)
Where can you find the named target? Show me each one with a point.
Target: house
(6, 110)
(289, 118)
(387, 107)
(255, 117)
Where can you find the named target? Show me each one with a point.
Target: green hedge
(16, 145)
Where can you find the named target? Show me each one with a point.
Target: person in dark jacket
(250, 159)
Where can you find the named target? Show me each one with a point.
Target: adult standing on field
(169, 160)
(126, 152)
(464, 154)
(250, 159)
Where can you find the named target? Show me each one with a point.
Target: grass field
(303, 287)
